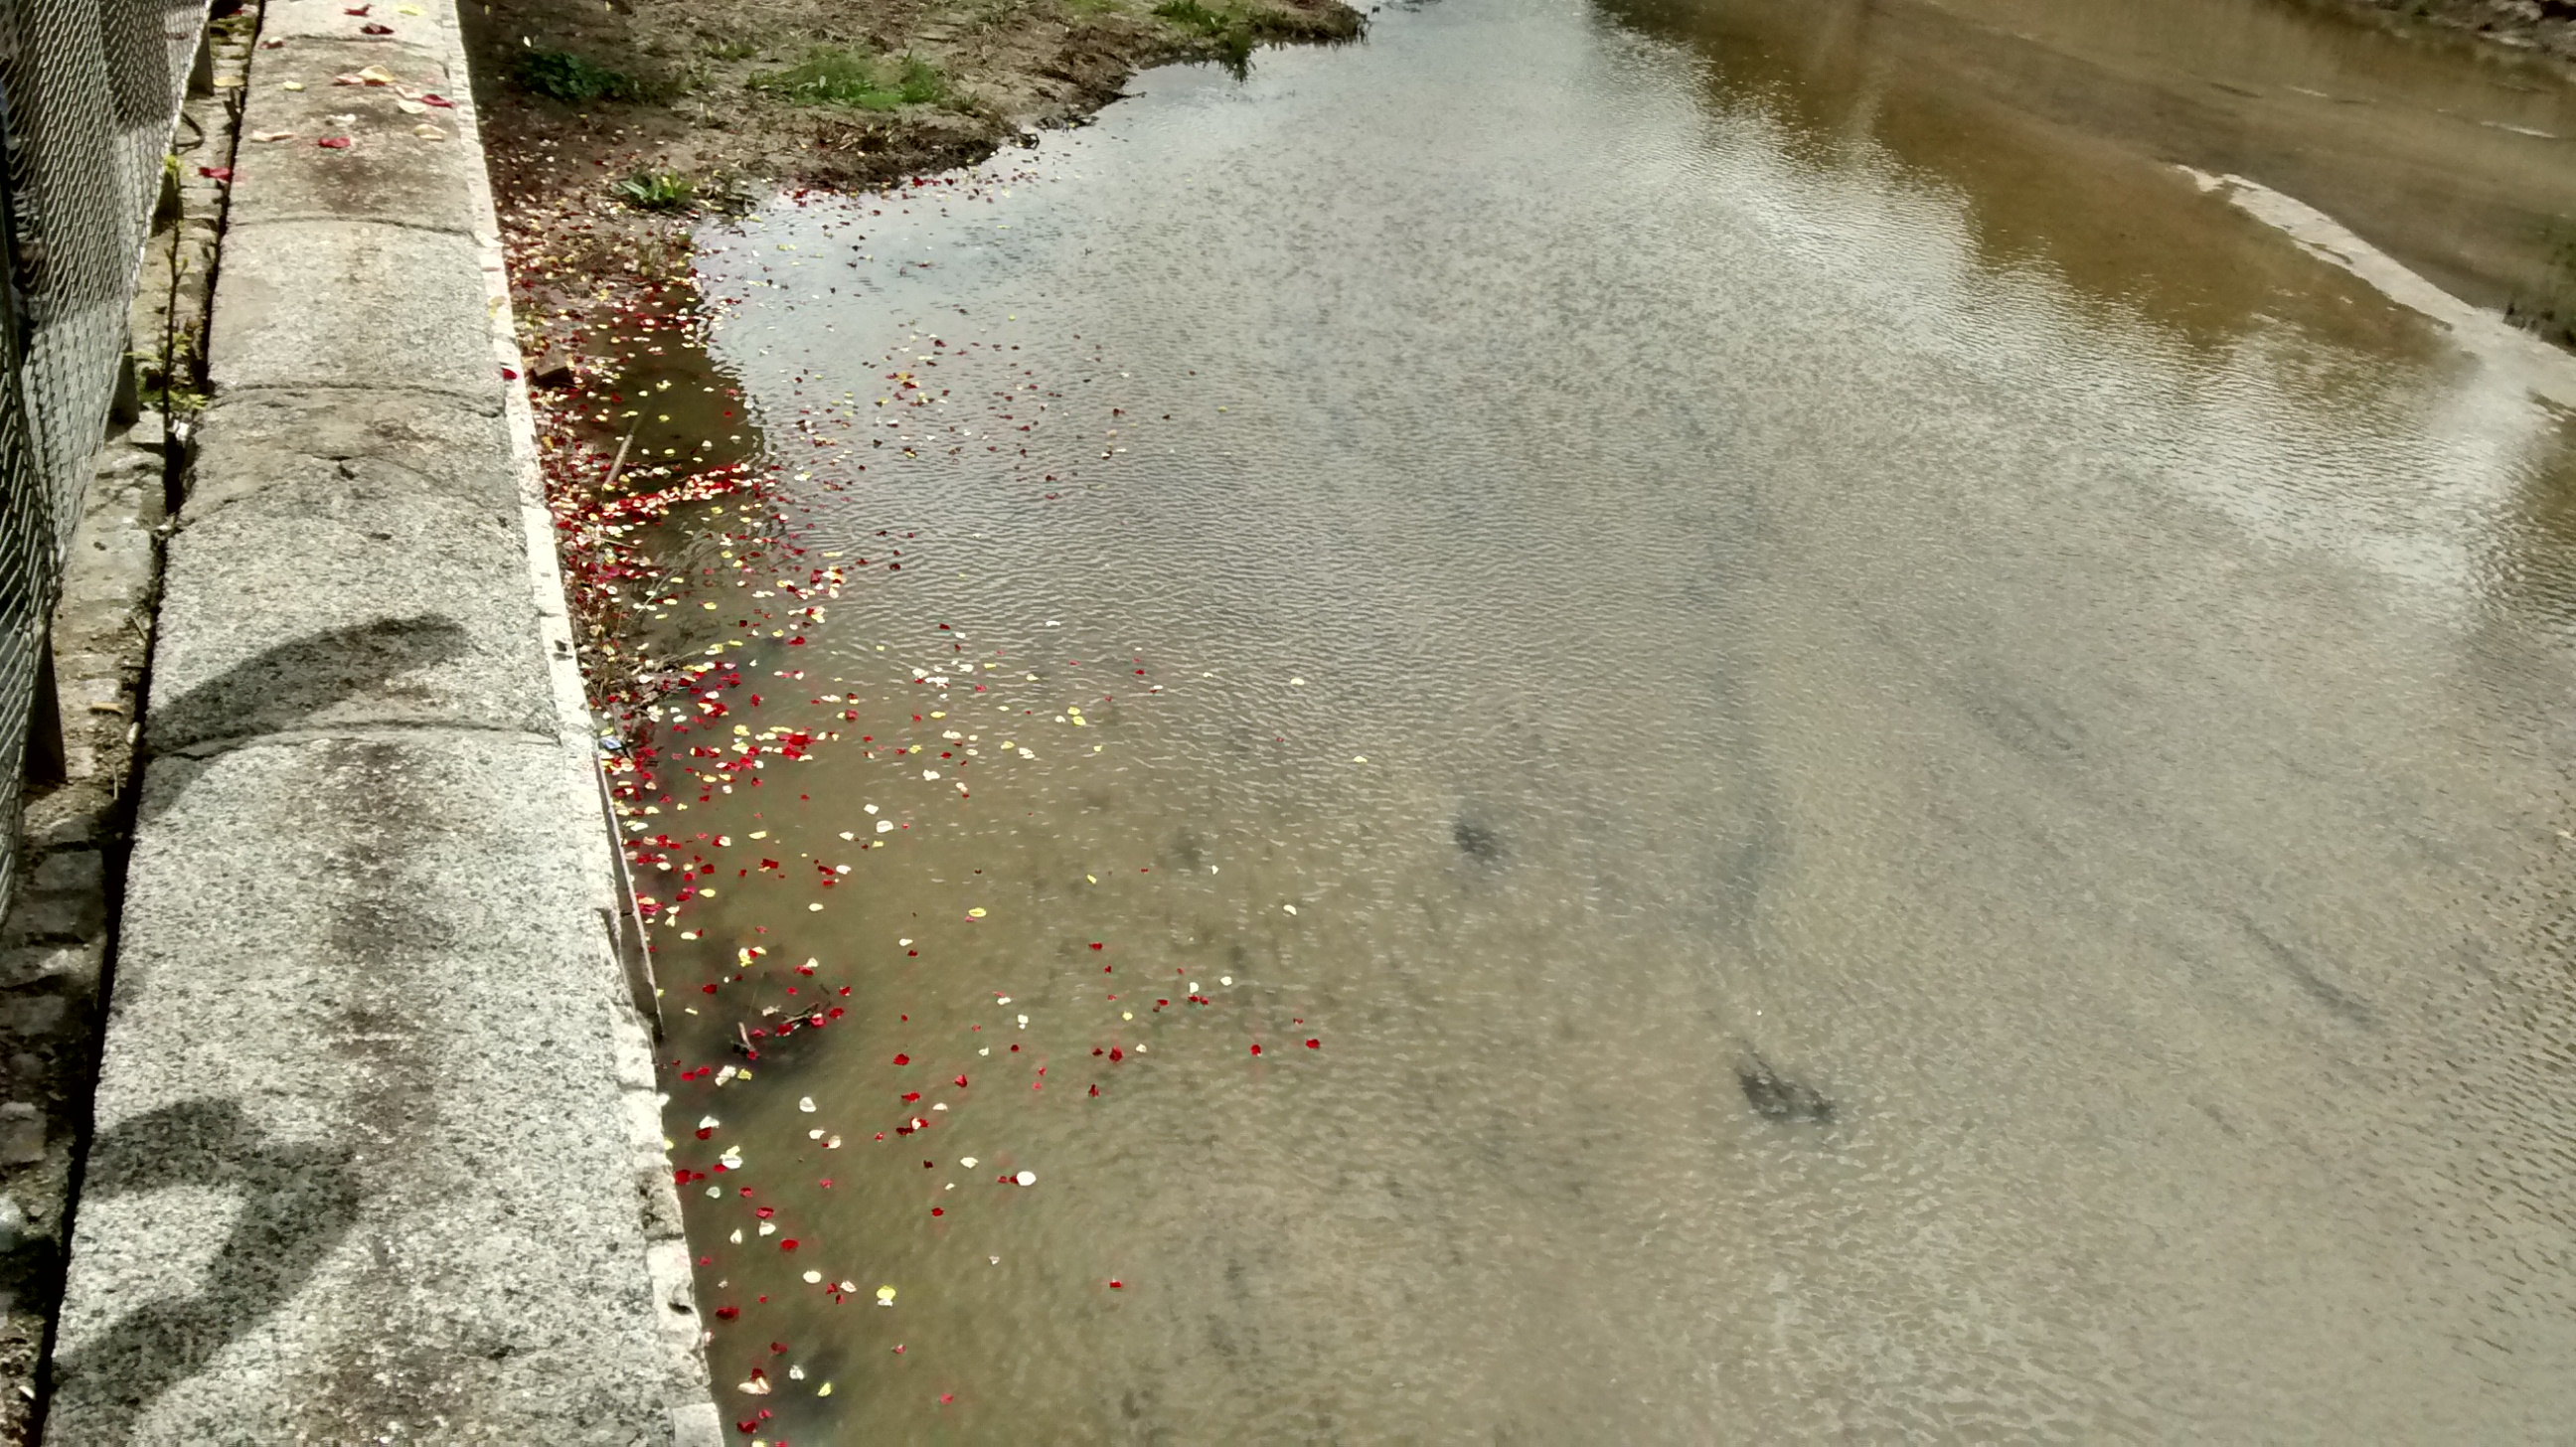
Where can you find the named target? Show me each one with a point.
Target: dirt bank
(664, 106)
(2539, 27)
(829, 93)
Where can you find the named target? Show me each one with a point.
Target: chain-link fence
(89, 92)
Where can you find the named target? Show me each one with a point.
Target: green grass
(831, 75)
(569, 77)
(656, 191)
(1231, 32)
(1191, 15)
(167, 384)
(733, 49)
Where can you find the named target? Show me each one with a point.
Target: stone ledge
(359, 1120)
(321, 304)
(299, 20)
(387, 172)
(360, 596)
(251, 441)
(375, 1156)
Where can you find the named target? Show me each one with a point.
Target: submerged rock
(1774, 1097)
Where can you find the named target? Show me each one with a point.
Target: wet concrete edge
(377, 1140)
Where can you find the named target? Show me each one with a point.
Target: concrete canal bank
(376, 1152)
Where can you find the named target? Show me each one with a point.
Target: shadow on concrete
(283, 686)
(297, 1202)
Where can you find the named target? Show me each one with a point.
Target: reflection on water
(1841, 797)
(2460, 162)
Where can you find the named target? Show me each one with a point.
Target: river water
(1864, 763)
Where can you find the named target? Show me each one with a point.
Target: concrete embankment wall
(376, 1153)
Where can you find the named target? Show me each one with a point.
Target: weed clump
(1232, 28)
(831, 75)
(1191, 15)
(569, 77)
(1230, 33)
(656, 191)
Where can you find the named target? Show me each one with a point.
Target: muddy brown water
(1910, 777)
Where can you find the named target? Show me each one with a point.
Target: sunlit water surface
(1851, 785)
